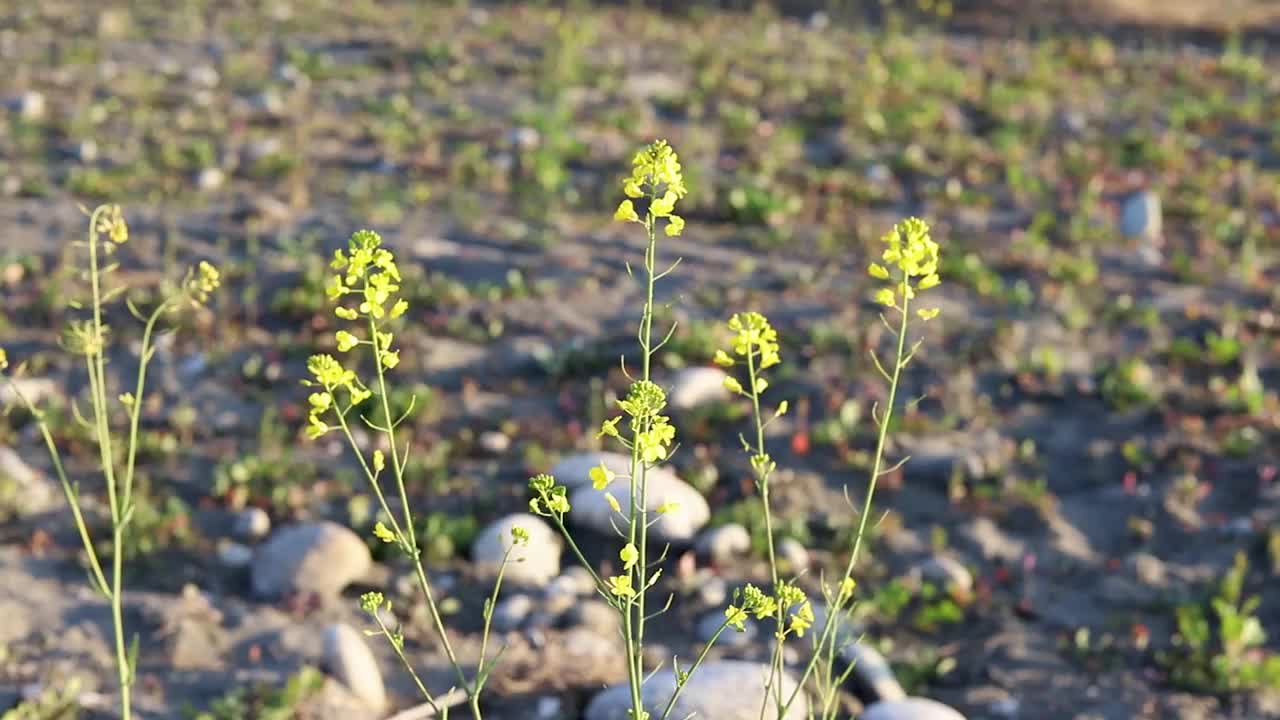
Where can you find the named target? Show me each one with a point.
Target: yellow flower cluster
(111, 223)
(655, 174)
(202, 281)
(913, 256)
(755, 601)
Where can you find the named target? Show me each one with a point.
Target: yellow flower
(601, 476)
(737, 617)
(675, 225)
(668, 507)
(928, 313)
(620, 585)
(626, 212)
(629, 555)
(399, 308)
(4, 359)
(613, 503)
(519, 535)
(802, 619)
(722, 359)
(885, 296)
(878, 271)
(379, 461)
(383, 533)
(346, 340)
(732, 385)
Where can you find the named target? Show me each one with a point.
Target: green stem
(97, 386)
(829, 628)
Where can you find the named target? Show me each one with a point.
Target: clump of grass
(90, 338)
(1222, 652)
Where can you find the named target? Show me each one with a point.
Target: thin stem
(829, 628)
(692, 669)
(97, 386)
(398, 646)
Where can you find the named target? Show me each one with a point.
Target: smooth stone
(910, 709)
(494, 442)
(23, 489)
(234, 555)
(596, 616)
(731, 637)
(252, 523)
(349, 659)
(590, 508)
(30, 105)
(1141, 217)
(511, 612)
(321, 558)
(693, 387)
(719, 690)
(534, 563)
(946, 572)
(575, 470)
(724, 543)
(793, 554)
(872, 677)
(575, 581)
(210, 178)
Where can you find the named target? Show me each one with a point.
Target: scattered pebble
(591, 508)
(510, 612)
(872, 677)
(532, 564)
(793, 555)
(23, 489)
(321, 558)
(694, 387)
(494, 442)
(731, 637)
(945, 572)
(723, 690)
(347, 657)
(210, 178)
(910, 709)
(724, 543)
(233, 555)
(30, 105)
(252, 523)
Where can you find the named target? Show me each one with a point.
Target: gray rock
(532, 564)
(23, 490)
(694, 387)
(511, 612)
(1141, 217)
(590, 508)
(712, 591)
(731, 637)
(29, 105)
(719, 690)
(252, 523)
(575, 470)
(724, 543)
(348, 659)
(910, 709)
(321, 558)
(793, 555)
(575, 581)
(234, 555)
(946, 573)
(872, 677)
(34, 390)
(210, 178)
(596, 616)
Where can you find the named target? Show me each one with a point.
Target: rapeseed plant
(90, 338)
(365, 287)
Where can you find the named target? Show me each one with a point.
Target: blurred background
(1088, 527)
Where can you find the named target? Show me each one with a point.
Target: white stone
(793, 554)
(945, 572)
(25, 489)
(210, 178)
(724, 543)
(719, 690)
(252, 523)
(910, 709)
(511, 612)
(872, 674)
(694, 387)
(534, 563)
(321, 558)
(591, 508)
(1141, 216)
(348, 658)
